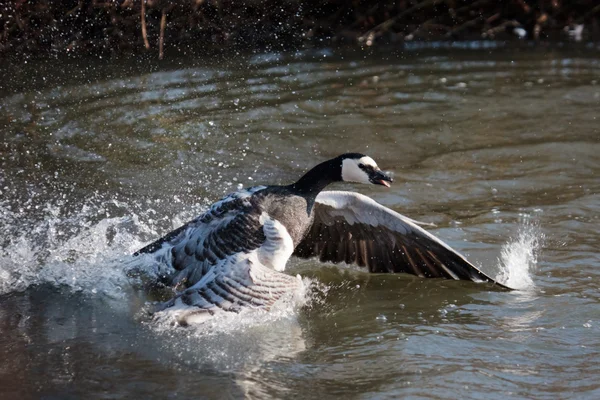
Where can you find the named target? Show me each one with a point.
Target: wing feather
(352, 228)
(215, 258)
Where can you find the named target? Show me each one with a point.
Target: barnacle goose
(232, 256)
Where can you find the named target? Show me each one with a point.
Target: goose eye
(362, 166)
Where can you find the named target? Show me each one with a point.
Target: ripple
(480, 143)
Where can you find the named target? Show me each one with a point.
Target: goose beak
(380, 178)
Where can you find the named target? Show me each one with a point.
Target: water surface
(499, 149)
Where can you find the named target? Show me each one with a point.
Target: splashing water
(228, 341)
(518, 257)
(88, 249)
(77, 249)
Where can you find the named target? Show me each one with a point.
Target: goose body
(233, 256)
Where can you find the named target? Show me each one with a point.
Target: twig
(588, 14)
(161, 40)
(385, 25)
(466, 25)
(493, 18)
(524, 6)
(144, 34)
(500, 28)
(75, 9)
(430, 23)
(472, 6)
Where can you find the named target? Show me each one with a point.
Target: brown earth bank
(83, 27)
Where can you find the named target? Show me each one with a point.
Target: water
(499, 149)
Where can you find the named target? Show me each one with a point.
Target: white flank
(278, 247)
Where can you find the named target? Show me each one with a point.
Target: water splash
(86, 246)
(233, 341)
(77, 249)
(519, 256)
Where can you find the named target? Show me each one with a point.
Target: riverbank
(162, 27)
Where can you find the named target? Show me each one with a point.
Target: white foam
(88, 261)
(233, 341)
(69, 249)
(518, 257)
(230, 341)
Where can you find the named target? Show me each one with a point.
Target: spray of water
(519, 256)
(88, 250)
(77, 249)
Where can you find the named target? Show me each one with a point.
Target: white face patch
(351, 172)
(368, 161)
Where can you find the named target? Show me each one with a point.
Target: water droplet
(381, 317)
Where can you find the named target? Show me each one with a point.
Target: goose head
(360, 168)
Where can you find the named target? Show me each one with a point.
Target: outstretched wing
(223, 260)
(228, 227)
(352, 228)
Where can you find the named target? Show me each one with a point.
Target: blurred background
(206, 26)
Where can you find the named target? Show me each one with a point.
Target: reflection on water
(498, 149)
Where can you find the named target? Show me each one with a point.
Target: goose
(232, 256)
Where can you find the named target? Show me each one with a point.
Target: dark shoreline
(46, 28)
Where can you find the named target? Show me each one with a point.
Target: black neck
(315, 180)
